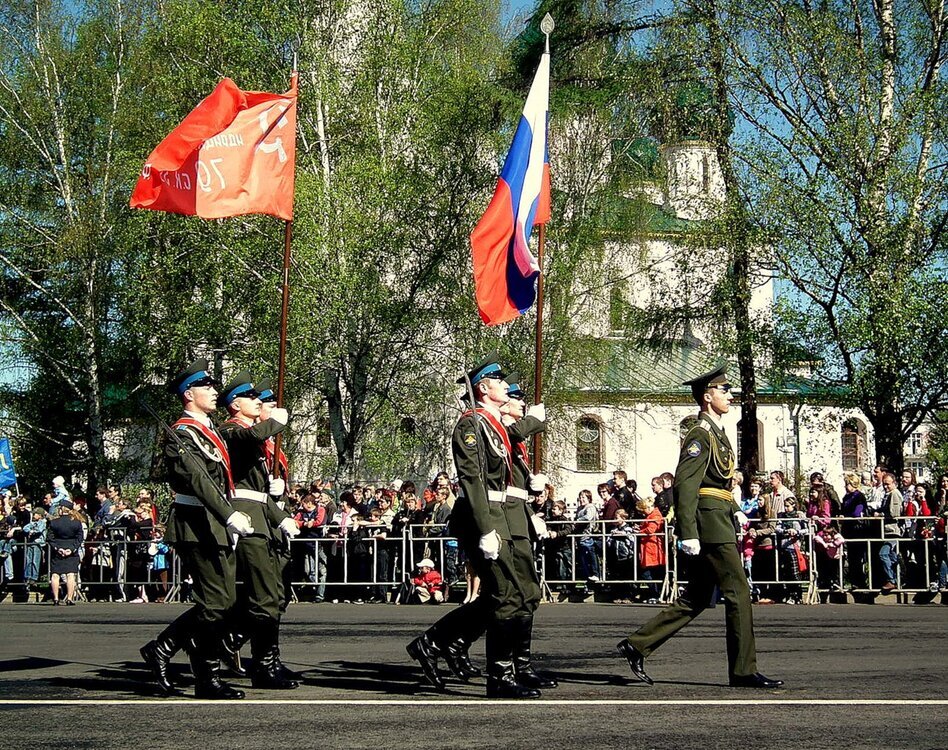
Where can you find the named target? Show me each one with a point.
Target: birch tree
(846, 155)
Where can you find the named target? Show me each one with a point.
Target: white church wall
(644, 440)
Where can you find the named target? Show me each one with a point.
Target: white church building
(630, 410)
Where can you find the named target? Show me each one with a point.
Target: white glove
(279, 414)
(742, 519)
(538, 482)
(539, 527)
(690, 546)
(277, 487)
(490, 545)
(538, 411)
(288, 526)
(239, 523)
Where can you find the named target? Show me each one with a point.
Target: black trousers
(214, 593)
(259, 573)
(509, 589)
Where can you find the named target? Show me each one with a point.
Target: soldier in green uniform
(258, 569)
(279, 469)
(201, 528)
(706, 515)
(519, 519)
(483, 457)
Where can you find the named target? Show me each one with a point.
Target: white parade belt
(258, 497)
(500, 496)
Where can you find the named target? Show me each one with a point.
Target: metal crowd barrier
(121, 569)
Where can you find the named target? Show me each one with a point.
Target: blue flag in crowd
(7, 472)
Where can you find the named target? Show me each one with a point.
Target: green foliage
(845, 151)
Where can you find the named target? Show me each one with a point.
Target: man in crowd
(622, 492)
(664, 498)
(707, 518)
(891, 531)
(780, 493)
(201, 528)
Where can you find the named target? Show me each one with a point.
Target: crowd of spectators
(393, 542)
(101, 547)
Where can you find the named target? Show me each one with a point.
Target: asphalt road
(856, 677)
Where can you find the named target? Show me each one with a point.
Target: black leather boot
(424, 650)
(230, 653)
(157, 655)
(263, 646)
(501, 680)
(526, 675)
(285, 672)
(204, 655)
(456, 657)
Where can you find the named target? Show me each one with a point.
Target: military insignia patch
(694, 448)
(470, 439)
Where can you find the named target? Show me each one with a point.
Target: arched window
(589, 445)
(853, 438)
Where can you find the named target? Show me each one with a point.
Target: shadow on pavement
(391, 679)
(127, 678)
(29, 662)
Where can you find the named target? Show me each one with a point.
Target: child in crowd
(791, 530)
(620, 555)
(828, 543)
(160, 564)
(427, 584)
(652, 556)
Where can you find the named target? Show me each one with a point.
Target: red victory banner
(233, 154)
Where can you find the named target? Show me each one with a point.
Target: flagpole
(538, 354)
(546, 26)
(285, 310)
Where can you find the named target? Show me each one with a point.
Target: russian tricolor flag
(505, 271)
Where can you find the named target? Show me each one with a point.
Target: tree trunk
(337, 426)
(738, 246)
(887, 423)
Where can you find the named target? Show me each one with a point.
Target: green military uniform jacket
(249, 468)
(518, 514)
(707, 460)
(184, 460)
(481, 460)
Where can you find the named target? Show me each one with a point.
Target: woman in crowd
(139, 536)
(854, 531)
(587, 550)
(818, 507)
(65, 541)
